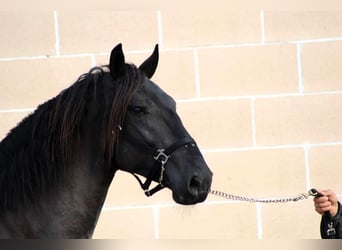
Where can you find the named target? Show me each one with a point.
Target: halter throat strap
(161, 157)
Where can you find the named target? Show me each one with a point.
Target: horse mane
(34, 154)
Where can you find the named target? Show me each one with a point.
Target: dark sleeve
(331, 227)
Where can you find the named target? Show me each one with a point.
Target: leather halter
(161, 157)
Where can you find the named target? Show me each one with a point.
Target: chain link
(262, 200)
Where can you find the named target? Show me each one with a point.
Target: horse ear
(149, 66)
(117, 61)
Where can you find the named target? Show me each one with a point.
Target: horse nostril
(195, 185)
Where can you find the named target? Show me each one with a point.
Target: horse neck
(71, 211)
(70, 206)
(79, 202)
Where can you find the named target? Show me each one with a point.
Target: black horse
(57, 164)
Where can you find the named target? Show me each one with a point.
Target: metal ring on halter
(161, 154)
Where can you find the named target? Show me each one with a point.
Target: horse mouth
(189, 199)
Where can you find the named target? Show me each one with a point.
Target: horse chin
(188, 199)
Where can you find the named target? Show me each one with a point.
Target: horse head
(152, 140)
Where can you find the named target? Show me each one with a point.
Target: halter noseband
(161, 157)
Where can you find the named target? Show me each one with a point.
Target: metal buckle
(163, 155)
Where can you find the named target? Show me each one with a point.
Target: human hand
(326, 203)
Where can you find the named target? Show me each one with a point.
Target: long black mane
(33, 155)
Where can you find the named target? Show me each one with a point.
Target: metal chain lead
(262, 200)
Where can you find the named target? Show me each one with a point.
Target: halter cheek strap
(161, 157)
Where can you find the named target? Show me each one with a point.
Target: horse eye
(137, 110)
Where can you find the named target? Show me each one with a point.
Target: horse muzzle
(195, 192)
